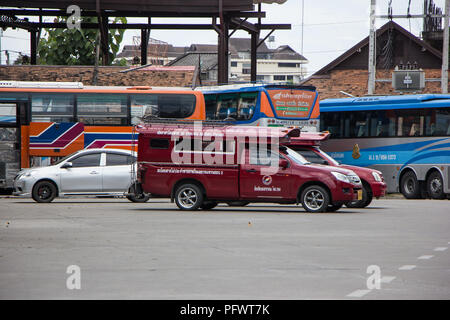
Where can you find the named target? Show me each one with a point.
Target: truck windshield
(295, 156)
(328, 157)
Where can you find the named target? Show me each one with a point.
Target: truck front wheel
(367, 197)
(189, 197)
(315, 199)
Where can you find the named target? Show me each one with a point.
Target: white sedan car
(86, 172)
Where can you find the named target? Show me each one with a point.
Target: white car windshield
(295, 156)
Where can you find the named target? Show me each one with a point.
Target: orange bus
(42, 121)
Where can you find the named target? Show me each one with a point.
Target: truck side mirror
(66, 165)
(283, 163)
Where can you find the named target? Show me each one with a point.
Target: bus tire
(435, 186)
(208, 205)
(367, 197)
(44, 192)
(315, 199)
(189, 197)
(409, 186)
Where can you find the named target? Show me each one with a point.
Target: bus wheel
(334, 207)
(435, 186)
(367, 197)
(238, 203)
(208, 205)
(189, 197)
(44, 192)
(409, 186)
(315, 199)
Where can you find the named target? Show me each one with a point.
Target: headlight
(340, 176)
(377, 176)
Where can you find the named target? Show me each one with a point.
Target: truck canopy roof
(161, 129)
(308, 139)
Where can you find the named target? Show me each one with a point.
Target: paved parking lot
(154, 251)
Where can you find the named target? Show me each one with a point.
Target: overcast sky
(330, 27)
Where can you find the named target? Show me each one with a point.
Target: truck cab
(201, 166)
(308, 145)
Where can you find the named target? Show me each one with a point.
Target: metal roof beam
(131, 14)
(30, 25)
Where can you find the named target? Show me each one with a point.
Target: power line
(326, 51)
(329, 23)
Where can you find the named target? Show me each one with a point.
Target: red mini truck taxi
(199, 168)
(373, 184)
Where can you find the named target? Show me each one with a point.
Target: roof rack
(41, 84)
(252, 85)
(152, 120)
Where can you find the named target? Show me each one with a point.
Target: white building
(279, 65)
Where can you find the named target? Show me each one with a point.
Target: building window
(288, 65)
(234, 63)
(279, 78)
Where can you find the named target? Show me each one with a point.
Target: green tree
(64, 46)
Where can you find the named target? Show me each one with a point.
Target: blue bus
(407, 137)
(263, 105)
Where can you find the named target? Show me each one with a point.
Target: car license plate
(359, 194)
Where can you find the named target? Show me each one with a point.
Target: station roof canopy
(232, 15)
(175, 6)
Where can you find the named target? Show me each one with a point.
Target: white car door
(117, 172)
(85, 175)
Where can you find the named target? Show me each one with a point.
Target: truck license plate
(359, 194)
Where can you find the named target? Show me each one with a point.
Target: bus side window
(246, 107)
(211, 106)
(442, 122)
(227, 106)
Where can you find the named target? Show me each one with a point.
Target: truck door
(12, 115)
(255, 184)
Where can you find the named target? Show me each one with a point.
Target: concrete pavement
(154, 251)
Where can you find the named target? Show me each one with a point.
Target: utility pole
(1, 35)
(444, 76)
(303, 24)
(372, 49)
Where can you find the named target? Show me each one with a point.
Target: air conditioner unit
(408, 80)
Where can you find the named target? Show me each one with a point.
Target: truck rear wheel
(409, 186)
(435, 186)
(315, 199)
(189, 197)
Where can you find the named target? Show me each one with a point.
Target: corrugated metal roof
(176, 6)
